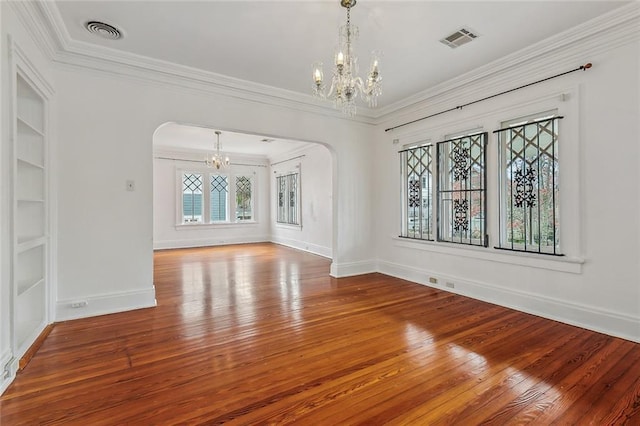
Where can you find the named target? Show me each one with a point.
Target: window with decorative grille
(416, 166)
(192, 208)
(528, 179)
(462, 199)
(288, 199)
(244, 198)
(210, 198)
(219, 197)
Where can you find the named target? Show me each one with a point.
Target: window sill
(216, 225)
(288, 226)
(567, 264)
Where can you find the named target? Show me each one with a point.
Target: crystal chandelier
(346, 85)
(215, 160)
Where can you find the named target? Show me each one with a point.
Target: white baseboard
(348, 269)
(105, 304)
(206, 242)
(589, 317)
(304, 246)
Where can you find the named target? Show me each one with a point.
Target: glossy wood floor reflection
(255, 334)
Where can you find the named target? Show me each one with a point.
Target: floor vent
(460, 37)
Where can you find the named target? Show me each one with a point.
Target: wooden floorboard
(260, 334)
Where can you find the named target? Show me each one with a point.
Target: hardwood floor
(255, 334)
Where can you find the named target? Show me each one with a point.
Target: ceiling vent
(460, 37)
(103, 30)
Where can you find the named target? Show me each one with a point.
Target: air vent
(460, 37)
(103, 30)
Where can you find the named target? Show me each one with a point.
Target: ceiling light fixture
(216, 160)
(346, 85)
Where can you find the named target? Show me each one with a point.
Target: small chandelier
(215, 160)
(346, 85)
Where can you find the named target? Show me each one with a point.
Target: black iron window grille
(462, 181)
(529, 194)
(288, 202)
(416, 165)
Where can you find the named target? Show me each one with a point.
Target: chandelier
(346, 85)
(215, 160)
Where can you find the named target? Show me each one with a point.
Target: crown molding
(111, 61)
(36, 24)
(568, 48)
(169, 74)
(30, 71)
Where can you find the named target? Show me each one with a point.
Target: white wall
(105, 128)
(167, 230)
(316, 223)
(596, 285)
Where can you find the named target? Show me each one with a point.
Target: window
(219, 197)
(417, 203)
(529, 196)
(244, 198)
(287, 192)
(192, 198)
(462, 197)
(209, 198)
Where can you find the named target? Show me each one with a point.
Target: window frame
(564, 99)
(503, 231)
(430, 170)
(227, 201)
(297, 219)
(442, 175)
(252, 183)
(231, 175)
(203, 208)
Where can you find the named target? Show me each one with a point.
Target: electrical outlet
(79, 304)
(433, 280)
(451, 285)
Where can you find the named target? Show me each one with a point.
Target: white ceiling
(274, 43)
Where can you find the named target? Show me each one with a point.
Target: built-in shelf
(25, 123)
(30, 181)
(30, 200)
(26, 285)
(24, 162)
(30, 218)
(29, 145)
(28, 242)
(30, 105)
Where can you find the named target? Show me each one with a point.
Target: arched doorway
(274, 189)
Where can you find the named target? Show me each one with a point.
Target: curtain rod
(580, 68)
(289, 159)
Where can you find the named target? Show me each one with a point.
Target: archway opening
(275, 189)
